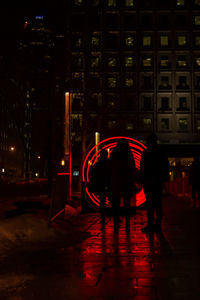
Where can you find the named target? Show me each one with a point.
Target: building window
(164, 103)
(146, 41)
(147, 103)
(77, 101)
(95, 41)
(77, 80)
(182, 82)
(78, 2)
(112, 41)
(180, 2)
(181, 40)
(198, 125)
(112, 62)
(181, 61)
(182, 104)
(129, 20)
(147, 62)
(198, 103)
(94, 81)
(164, 83)
(197, 82)
(77, 61)
(129, 61)
(129, 126)
(164, 61)
(164, 124)
(197, 61)
(164, 40)
(129, 41)
(197, 41)
(129, 82)
(77, 42)
(95, 62)
(129, 3)
(183, 124)
(197, 20)
(112, 3)
(147, 82)
(111, 82)
(112, 124)
(147, 122)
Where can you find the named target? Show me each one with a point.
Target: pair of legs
(116, 211)
(153, 194)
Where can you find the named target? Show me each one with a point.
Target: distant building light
(39, 157)
(3, 170)
(62, 162)
(12, 148)
(39, 17)
(36, 174)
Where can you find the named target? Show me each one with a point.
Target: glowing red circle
(91, 157)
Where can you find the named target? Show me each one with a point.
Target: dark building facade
(135, 68)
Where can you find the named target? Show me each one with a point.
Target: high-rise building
(135, 68)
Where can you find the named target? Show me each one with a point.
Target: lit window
(78, 2)
(182, 41)
(180, 2)
(164, 82)
(164, 123)
(147, 41)
(128, 82)
(197, 20)
(111, 124)
(197, 60)
(198, 125)
(95, 62)
(129, 61)
(164, 40)
(112, 82)
(197, 40)
(112, 3)
(95, 41)
(112, 62)
(182, 62)
(147, 62)
(129, 2)
(164, 62)
(183, 124)
(78, 42)
(147, 122)
(129, 41)
(129, 126)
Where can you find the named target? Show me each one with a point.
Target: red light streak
(57, 214)
(136, 149)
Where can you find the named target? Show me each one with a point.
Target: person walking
(154, 171)
(98, 178)
(122, 173)
(194, 178)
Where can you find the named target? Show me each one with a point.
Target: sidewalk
(104, 265)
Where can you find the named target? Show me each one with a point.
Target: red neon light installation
(92, 156)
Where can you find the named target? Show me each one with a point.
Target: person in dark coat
(122, 175)
(99, 180)
(154, 171)
(194, 178)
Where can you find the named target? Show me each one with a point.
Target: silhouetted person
(154, 171)
(99, 180)
(194, 178)
(122, 177)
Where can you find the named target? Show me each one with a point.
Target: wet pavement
(106, 265)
